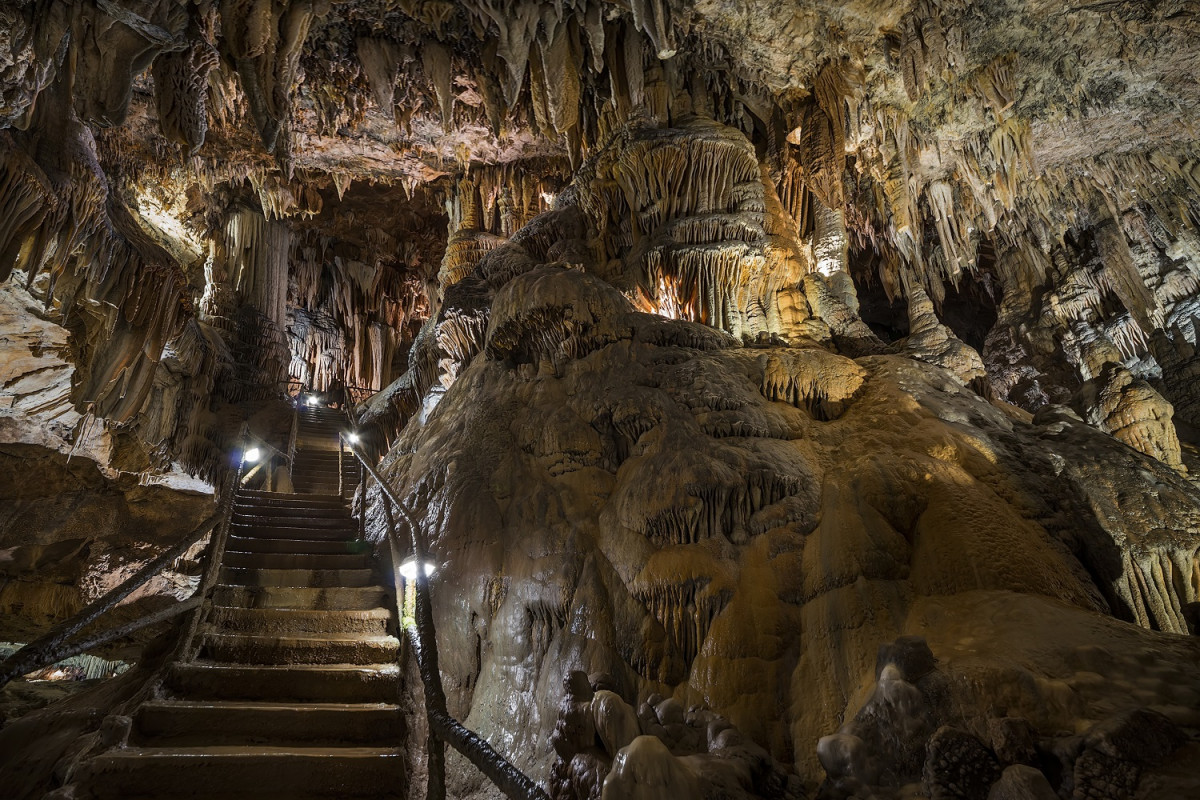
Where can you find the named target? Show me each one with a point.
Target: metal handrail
(495, 767)
(292, 435)
(216, 553)
(50, 647)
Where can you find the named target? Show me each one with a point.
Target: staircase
(294, 690)
(318, 460)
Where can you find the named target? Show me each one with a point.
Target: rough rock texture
(739, 527)
(760, 335)
(69, 533)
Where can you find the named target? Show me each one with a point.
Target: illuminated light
(252, 455)
(408, 570)
(352, 437)
(312, 400)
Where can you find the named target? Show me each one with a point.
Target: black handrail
(186, 649)
(48, 648)
(442, 726)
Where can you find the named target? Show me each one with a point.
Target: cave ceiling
(712, 344)
(1029, 168)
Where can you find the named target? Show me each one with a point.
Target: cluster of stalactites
(142, 363)
(688, 224)
(245, 298)
(487, 207)
(348, 318)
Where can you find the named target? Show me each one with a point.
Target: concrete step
(189, 723)
(304, 598)
(264, 773)
(231, 619)
(345, 532)
(282, 650)
(265, 544)
(315, 561)
(340, 683)
(316, 578)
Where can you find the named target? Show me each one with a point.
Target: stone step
(315, 578)
(264, 773)
(369, 622)
(342, 683)
(282, 650)
(323, 483)
(331, 474)
(303, 598)
(251, 497)
(275, 520)
(346, 532)
(290, 511)
(189, 722)
(264, 544)
(314, 561)
(322, 469)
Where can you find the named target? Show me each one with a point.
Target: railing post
(341, 469)
(435, 747)
(291, 451)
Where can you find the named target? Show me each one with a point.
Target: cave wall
(622, 272)
(739, 523)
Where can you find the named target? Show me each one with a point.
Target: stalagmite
(932, 342)
(1129, 409)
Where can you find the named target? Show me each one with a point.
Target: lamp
(408, 569)
(352, 437)
(312, 400)
(251, 455)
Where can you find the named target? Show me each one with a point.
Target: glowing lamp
(312, 400)
(252, 455)
(352, 437)
(408, 570)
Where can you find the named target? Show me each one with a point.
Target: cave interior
(600, 399)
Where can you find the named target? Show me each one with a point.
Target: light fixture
(312, 400)
(352, 437)
(251, 455)
(408, 569)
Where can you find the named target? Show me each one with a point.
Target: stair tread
(297, 534)
(386, 670)
(373, 613)
(251, 751)
(272, 544)
(298, 578)
(253, 705)
(324, 638)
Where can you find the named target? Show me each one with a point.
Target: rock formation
(796, 399)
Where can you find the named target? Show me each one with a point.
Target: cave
(599, 399)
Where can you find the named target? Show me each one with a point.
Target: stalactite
(181, 93)
(265, 38)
